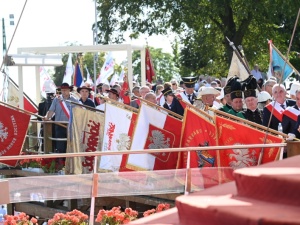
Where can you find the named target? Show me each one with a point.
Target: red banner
(150, 72)
(233, 133)
(13, 128)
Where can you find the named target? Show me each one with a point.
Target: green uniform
(235, 113)
(225, 108)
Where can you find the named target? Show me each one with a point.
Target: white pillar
(37, 86)
(20, 83)
(143, 67)
(130, 71)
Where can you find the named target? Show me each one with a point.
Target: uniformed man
(189, 94)
(227, 91)
(172, 102)
(237, 99)
(251, 113)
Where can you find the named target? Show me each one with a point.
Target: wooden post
(293, 148)
(48, 144)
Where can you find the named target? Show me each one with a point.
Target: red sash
(278, 110)
(65, 108)
(292, 113)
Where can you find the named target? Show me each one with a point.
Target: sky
(55, 23)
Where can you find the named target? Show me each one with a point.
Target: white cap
(263, 96)
(294, 88)
(208, 91)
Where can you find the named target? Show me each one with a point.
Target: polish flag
(118, 129)
(154, 130)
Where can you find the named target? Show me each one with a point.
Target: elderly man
(252, 113)
(208, 96)
(277, 106)
(290, 115)
(143, 91)
(61, 109)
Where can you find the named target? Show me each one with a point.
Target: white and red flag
(46, 82)
(13, 129)
(154, 130)
(107, 69)
(150, 72)
(118, 129)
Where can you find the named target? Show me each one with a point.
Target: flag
(234, 133)
(78, 78)
(13, 129)
(197, 131)
(154, 130)
(118, 128)
(114, 79)
(121, 77)
(237, 68)
(86, 136)
(69, 71)
(13, 97)
(89, 80)
(278, 60)
(46, 82)
(107, 69)
(150, 72)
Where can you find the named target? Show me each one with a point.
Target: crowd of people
(257, 99)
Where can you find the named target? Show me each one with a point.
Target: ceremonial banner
(237, 68)
(13, 129)
(86, 136)
(154, 130)
(150, 72)
(69, 71)
(13, 97)
(197, 131)
(234, 133)
(118, 128)
(278, 60)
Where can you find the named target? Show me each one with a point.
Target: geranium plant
(115, 216)
(21, 219)
(161, 207)
(50, 166)
(74, 217)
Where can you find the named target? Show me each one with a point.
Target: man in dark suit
(277, 106)
(252, 113)
(172, 102)
(290, 115)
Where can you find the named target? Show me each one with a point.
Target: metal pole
(95, 42)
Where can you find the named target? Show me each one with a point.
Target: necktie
(189, 97)
(283, 106)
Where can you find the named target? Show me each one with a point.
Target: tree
(202, 27)
(164, 65)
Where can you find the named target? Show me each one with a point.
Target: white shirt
(256, 74)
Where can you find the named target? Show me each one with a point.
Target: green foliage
(164, 65)
(202, 27)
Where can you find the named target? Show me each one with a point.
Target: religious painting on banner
(154, 130)
(13, 129)
(85, 135)
(234, 133)
(198, 131)
(118, 128)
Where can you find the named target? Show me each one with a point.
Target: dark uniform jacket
(289, 119)
(277, 115)
(89, 102)
(253, 116)
(235, 113)
(175, 107)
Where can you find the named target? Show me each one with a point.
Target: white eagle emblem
(3, 132)
(158, 140)
(123, 142)
(242, 158)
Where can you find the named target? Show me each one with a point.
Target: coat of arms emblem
(3, 132)
(242, 158)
